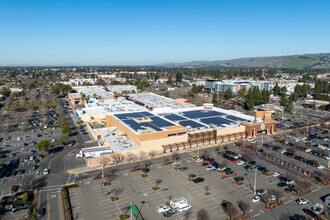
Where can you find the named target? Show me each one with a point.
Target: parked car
(184, 208)
(301, 201)
(198, 160)
(198, 180)
(276, 174)
(176, 163)
(163, 208)
(255, 199)
(241, 162)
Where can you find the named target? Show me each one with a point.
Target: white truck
(94, 152)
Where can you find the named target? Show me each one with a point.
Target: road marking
(48, 206)
(315, 190)
(53, 196)
(68, 179)
(288, 201)
(261, 211)
(256, 215)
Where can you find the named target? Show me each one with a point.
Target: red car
(210, 159)
(205, 164)
(233, 159)
(325, 132)
(14, 188)
(311, 213)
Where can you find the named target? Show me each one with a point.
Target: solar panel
(235, 118)
(146, 114)
(160, 122)
(174, 117)
(191, 123)
(201, 114)
(216, 121)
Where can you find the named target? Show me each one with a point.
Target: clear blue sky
(126, 32)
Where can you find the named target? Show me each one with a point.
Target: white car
(19, 138)
(276, 174)
(286, 142)
(53, 140)
(250, 139)
(289, 182)
(255, 199)
(163, 208)
(283, 151)
(261, 192)
(31, 157)
(184, 208)
(221, 168)
(308, 150)
(209, 168)
(46, 171)
(326, 139)
(320, 167)
(322, 147)
(241, 162)
(302, 201)
(198, 160)
(176, 163)
(272, 198)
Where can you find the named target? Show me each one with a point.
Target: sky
(141, 32)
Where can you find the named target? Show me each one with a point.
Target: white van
(184, 208)
(178, 202)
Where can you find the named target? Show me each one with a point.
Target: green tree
(178, 77)
(264, 96)
(100, 82)
(215, 99)
(63, 139)
(277, 89)
(290, 105)
(94, 96)
(16, 94)
(44, 145)
(88, 98)
(5, 91)
(283, 90)
(66, 130)
(80, 122)
(241, 92)
(250, 100)
(115, 82)
(143, 84)
(256, 95)
(283, 100)
(169, 81)
(228, 94)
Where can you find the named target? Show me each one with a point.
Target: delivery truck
(94, 152)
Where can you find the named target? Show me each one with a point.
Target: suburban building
(94, 92)
(236, 85)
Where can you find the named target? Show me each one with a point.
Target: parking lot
(208, 194)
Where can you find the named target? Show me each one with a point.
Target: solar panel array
(156, 122)
(187, 118)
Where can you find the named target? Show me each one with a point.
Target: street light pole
(282, 158)
(197, 148)
(255, 181)
(131, 203)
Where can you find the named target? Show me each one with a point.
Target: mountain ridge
(313, 61)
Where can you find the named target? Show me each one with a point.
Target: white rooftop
(121, 88)
(91, 90)
(111, 106)
(157, 101)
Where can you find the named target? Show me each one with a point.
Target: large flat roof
(111, 106)
(193, 119)
(157, 101)
(91, 90)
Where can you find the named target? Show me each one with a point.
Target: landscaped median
(66, 201)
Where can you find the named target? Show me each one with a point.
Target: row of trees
(256, 97)
(60, 88)
(24, 105)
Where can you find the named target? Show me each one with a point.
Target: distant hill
(313, 61)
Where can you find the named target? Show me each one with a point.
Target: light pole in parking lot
(197, 147)
(131, 204)
(282, 157)
(255, 181)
